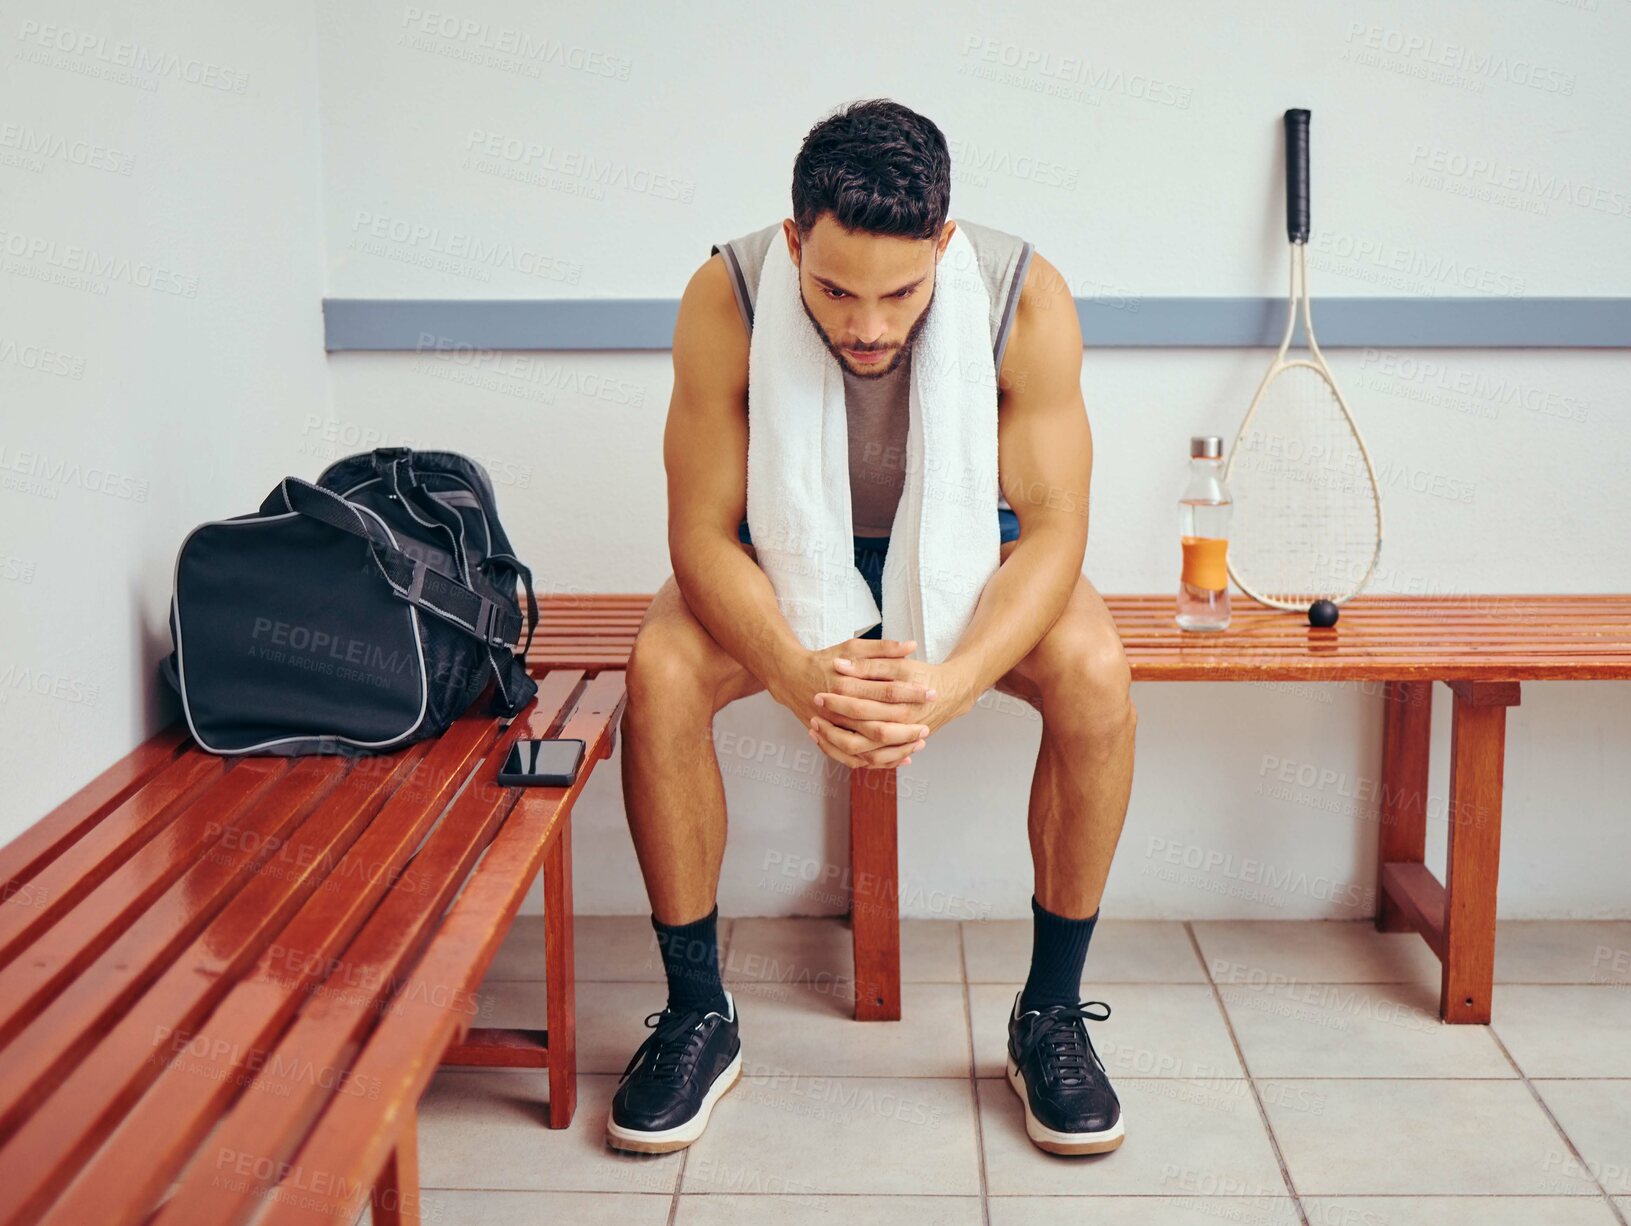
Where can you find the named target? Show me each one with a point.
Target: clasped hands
(866, 705)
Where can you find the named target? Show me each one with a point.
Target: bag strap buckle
(489, 627)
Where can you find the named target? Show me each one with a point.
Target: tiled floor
(1270, 1072)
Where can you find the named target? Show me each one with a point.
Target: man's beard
(868, 372)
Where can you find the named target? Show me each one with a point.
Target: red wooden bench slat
(1383, 670)
(183, 1096)
(40, 1158)
(61, 1027)
(1456, 630)
(1361, 622)
(1163, 600)
(44, 840)
(89, 860)
(401, 1055)
(69, 944)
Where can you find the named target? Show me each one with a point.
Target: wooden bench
(1481, 647)
(226, 982)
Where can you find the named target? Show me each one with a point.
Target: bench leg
(874, 894)
(396, 1192)
(1407, 726)
(560, 978)
(1477, 752)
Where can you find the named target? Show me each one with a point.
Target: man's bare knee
(1086, 684)
(676, 668)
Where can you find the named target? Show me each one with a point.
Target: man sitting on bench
(871, 188)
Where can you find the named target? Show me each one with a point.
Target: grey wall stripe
(648, 323)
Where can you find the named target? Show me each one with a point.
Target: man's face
(868, 295)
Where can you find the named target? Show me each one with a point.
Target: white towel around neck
(944, 544)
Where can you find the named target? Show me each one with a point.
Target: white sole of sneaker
(678, 1137)
(1055, 1142)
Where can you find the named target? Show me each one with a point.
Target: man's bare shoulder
(710, 338)
(709, 290)
(708, 302)
(1047, 334)
(1045, 290)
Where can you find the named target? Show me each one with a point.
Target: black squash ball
(1322, 613)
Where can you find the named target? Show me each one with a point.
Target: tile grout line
(1344, 983)
(679, 1182)
(973, 1076)
(1233, 1197)
(1165, 983)
(480, 1071)
(1251, 1082)
(1556, 1124)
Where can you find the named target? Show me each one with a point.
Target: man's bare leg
(679, 678)
(1078, 678)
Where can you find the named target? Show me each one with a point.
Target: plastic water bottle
(1203, 523)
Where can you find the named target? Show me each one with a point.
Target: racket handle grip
(1297, 175)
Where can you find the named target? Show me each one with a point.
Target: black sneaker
(687, 1063)
(1069, 1105)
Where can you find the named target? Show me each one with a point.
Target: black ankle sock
(691, 962)
(1058, 950)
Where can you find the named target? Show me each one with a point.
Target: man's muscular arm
(1045, 463)
(705, 453)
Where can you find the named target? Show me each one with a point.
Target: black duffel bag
(359, 614)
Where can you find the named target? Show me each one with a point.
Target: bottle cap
(1205, 447)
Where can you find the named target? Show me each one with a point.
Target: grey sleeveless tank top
(878, 409)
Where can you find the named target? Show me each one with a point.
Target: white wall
(161, 266)
(1142, 156)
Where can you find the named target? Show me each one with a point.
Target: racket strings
(1307, 522)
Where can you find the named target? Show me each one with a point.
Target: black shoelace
(673, 1047)
(1061, 1033)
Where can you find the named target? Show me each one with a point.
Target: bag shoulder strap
(442, 596)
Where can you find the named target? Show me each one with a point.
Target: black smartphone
(552, 763)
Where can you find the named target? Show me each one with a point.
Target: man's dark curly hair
(876, 166)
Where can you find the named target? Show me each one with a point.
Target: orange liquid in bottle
(1206, 563)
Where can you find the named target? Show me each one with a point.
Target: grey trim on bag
(486, 524)
(460, 553)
